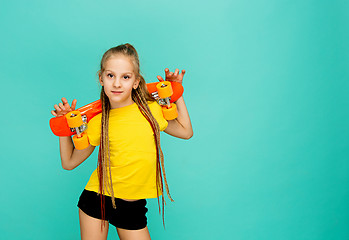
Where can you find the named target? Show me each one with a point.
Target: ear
(136, 83)
(100, 79)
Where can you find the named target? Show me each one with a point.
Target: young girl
(128, 132)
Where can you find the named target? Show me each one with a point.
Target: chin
(118, 99)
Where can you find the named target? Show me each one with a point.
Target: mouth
(117, 92)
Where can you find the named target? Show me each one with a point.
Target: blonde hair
(140, 96)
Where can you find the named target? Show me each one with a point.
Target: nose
(117, 83)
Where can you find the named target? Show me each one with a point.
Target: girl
(128, 132)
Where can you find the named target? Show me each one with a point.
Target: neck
(114, 105)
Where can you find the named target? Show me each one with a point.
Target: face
(118, 80)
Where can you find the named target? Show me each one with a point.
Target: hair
(140, 96)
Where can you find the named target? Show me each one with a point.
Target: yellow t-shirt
(132, 151)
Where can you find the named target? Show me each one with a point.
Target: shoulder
(153, 105)
(94, 129)
(96, 120)
(156, 110)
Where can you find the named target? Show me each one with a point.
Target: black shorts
(127, 215)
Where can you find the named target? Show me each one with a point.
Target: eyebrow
(113, 72)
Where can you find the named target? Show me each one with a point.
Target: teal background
(266, 89)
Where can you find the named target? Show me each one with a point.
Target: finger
(160, 78)
(73, 104)
(176, 72)
(54, 113)
(64, 100)
(56, 107)
(168, 73)
(66, 106)
(61, 106)
(183, 71)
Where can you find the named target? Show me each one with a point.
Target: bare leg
(130, 200)
(90, 228)
(141, 234)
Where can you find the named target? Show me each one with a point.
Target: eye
(126, 77)
(110, 74)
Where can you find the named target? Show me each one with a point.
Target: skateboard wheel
(74, 119)
(164, 89)
(81, 142)
(170, 113)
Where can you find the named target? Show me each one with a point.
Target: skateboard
(75, 122)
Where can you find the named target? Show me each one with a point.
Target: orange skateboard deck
(59, 125)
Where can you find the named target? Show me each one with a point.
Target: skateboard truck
(165, 92)
(76, 123)
(81, 128)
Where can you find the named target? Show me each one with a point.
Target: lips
(117, 92)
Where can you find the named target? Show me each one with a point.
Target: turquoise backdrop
(266, 89)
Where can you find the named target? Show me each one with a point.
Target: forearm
(183, 116)
(66, 150)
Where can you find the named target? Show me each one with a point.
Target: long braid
(104, 157)
(143, 106)
(109, 184)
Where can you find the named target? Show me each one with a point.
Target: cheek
(106, 88)
(129, 85)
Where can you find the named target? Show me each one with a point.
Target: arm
(181, 126)
(70, 156)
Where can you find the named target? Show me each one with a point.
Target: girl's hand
(64, 108)
(172, 77)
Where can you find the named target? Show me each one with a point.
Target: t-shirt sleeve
(157, 113)
(94, 130)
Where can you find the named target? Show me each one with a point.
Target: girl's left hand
(173, 77)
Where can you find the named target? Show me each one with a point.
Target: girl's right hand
(63, 108)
